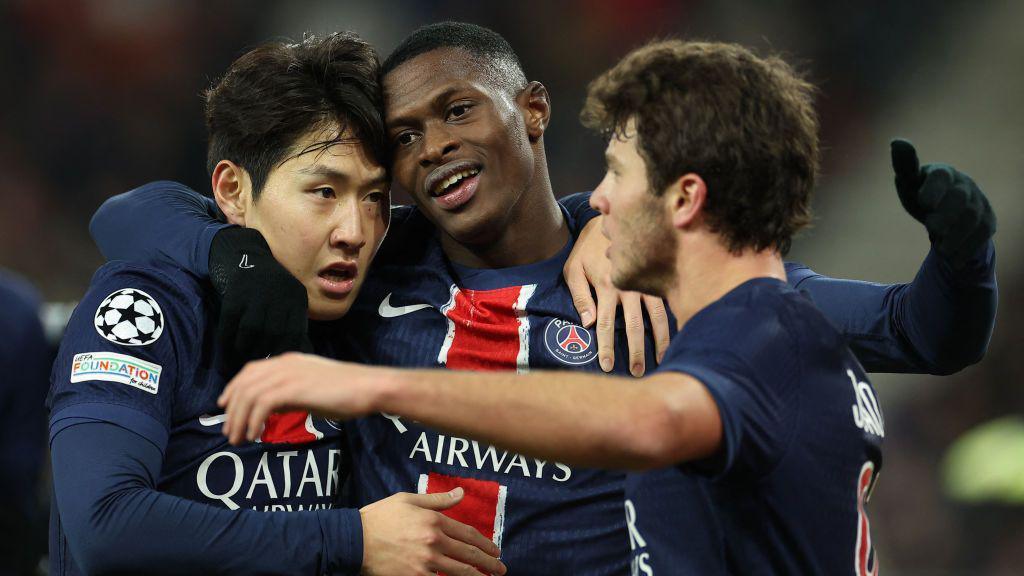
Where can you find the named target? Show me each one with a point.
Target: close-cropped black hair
(482, 43)
(274, 94)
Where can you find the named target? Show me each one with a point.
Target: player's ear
(535, 103)
(685, 199)
(232, 190)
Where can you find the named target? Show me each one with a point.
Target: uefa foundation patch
(570, 343)
(113, 367)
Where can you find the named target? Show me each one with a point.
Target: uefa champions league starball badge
(129, 317)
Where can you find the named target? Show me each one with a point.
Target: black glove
(263, 307)
(952, 208)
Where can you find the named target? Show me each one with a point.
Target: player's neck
(706, 271)
(534, 231)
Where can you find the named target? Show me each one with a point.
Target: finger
(607, 303)
(633, 316)
(659, 324)
(474, 559)
(238, 410)
(437, 501)
(937, 185)
(904, 160)
(469, 535)
(267, 397)
(579, 289)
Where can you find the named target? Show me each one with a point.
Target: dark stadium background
(100, 96)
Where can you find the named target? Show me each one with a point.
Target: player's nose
(348, 230)
(438, 143)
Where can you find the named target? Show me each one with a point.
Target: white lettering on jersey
(324, 484)
(866, 414)
(483, 457)
(641, 562)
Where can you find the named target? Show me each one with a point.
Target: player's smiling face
(323, 213)
(461, 147)
(643, 243)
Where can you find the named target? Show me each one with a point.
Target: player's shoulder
(133, 303)
(748, 323)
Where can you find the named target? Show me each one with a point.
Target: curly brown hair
(745, 124)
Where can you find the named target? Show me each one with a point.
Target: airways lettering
(452, 450)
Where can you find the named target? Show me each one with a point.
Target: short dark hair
(482, 43)
(745, 124)
(275, 93)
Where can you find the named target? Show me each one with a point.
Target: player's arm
(117, 522)
(942, 321)
(587, 273)
(112, 405)
(574, 417)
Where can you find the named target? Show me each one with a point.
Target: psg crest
(129, 317)
(570, 343)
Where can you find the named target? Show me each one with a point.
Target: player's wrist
(387, 390)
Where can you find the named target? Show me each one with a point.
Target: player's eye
(406, 138)
(375, 197)
(325, 192)
(458, 110)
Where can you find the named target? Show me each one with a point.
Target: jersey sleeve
(939, 323)
(749, 363)
(580, 212)
(104, 488)
(129, 344)
(166, 221)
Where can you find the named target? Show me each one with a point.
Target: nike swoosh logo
(386, 310)
(245, 262)
(207, 420)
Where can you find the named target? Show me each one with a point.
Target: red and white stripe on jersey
(290, 428)
(865, 562)
(487, 329)
(482, 507)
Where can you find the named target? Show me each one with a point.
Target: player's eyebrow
(379, 178)
(437, 101)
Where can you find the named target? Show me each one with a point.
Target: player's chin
(479, 224)
(323, 309)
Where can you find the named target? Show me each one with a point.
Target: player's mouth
(452, 185)
(337, 280)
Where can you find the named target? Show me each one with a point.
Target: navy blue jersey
(801, 447)
(137, 354)
(418, 309)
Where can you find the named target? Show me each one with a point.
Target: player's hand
(263, 308)
(587, 266)
(407, 534)
(292, 381)
(952, 208)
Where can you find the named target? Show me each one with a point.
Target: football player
(143, 480)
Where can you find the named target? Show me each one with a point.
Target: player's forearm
(948, 315)
(163, 220)
(576, 418)
(116, 522)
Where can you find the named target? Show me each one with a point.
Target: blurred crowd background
(103, 95)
